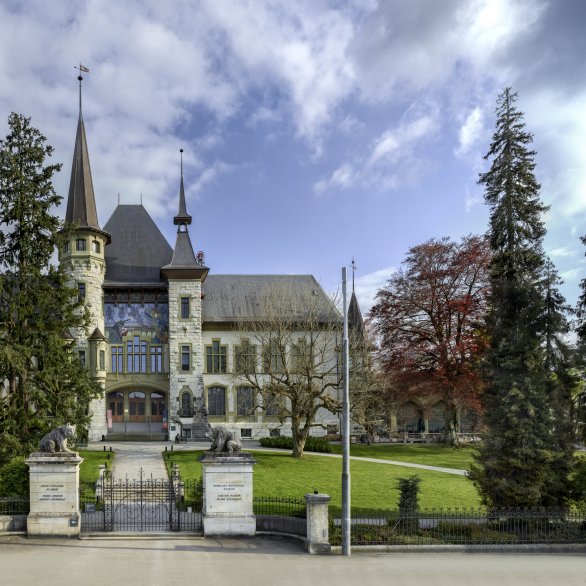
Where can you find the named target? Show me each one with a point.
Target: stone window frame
(250, 415)
(81, 244)
(249, 352)
(81, 291)
(102, 360)
(186, 393)
(180, 368)
(208, 388)
(96, 247)
(137, 357)
(222, 353)
(184, 302)
(117, 358)
(66, 246)
(155, 353)
(82, 357)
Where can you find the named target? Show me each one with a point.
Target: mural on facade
(152, 321)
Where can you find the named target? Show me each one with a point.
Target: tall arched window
(186, 405)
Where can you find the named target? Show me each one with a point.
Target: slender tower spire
(182, 218)
(81, 203)
(184, 264)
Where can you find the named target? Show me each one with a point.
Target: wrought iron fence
(280, 515)
(463, 526)
(279, 506)
(14, 505)
(141, 505)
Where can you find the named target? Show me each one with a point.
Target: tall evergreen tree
(46, 386)
(520, 462)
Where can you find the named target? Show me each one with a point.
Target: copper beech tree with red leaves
(430, 324)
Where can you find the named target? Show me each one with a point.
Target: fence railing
(279, 506)
(462, 526)
(14, 505)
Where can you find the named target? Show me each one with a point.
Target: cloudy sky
(314, 131)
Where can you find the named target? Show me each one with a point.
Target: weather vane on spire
(82, 69)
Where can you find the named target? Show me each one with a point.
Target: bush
(408, 505)
(313, 444)
(14, 478)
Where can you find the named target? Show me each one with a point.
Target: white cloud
(391, 157)
(470, 132)
(367, 286)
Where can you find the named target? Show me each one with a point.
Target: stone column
(227, 494)
(54, 494)
(318, 535)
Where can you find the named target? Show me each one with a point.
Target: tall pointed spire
(184, 264)
(81, 203)
(182, 218)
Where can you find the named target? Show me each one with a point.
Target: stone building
(164, 330)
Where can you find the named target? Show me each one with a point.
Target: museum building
(163, 340)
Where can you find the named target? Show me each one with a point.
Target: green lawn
(89, 468)
(432, 455)
(373, 485)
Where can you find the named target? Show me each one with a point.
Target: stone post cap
(317, 498)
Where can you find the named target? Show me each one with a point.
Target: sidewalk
(260, 562)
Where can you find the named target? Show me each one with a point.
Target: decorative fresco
(152, 321)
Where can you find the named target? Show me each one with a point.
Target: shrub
(313, 444)
(14, 478)
(408, 505)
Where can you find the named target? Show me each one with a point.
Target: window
(216, 357)
(187, 433)
(102, 360)
(245, 358)
(244, 401)
(185, 308)
(301, 356)
(186, 405)
(272, 407)
(81, 291)
(80, 244)
(156, 358)
(246, 432)
(117, 359)
(273, 357)
(66, 247)
(82, 357)
(136, 355)
(217, 401)
(96, 246)
(185, 358)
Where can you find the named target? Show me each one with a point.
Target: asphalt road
(256, 562)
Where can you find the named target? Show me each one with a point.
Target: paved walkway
(260, 562)
(132, 456)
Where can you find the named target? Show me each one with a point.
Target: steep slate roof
(138, 249)
(231, 298)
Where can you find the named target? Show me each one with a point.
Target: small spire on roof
(182, 219)
(353, 271)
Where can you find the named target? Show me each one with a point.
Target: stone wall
(184, 332)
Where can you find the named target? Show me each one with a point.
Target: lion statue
(56, 440)
(224, 440)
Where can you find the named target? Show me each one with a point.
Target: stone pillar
(227, 494)
(318, 535)
(54, 494)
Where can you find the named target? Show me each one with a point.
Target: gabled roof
(81, 204)
(232, 298)
(138, 249)
(355, 320)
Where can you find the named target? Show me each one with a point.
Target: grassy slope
(89, 468)
(373, 485)
(432, 455)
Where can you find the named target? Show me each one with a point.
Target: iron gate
(150, 505)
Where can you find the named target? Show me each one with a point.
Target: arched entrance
(136, 411)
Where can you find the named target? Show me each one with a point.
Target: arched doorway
(139, 410)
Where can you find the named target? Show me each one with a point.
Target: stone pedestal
(318, 535)
(54, 494)
(227, 494)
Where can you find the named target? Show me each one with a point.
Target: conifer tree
(520, 462)
(46, 386)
